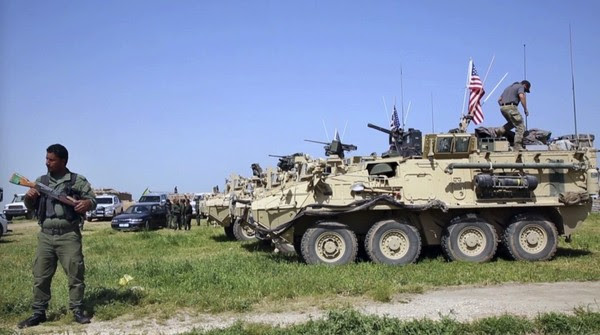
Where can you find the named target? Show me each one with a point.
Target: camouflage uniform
(60, 241)
(198, 214)
(188, 215)
(176, 215)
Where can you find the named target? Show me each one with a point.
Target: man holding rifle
(60, 238)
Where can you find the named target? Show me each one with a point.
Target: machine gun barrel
(381, 129)
(277, 156)
(317, 142)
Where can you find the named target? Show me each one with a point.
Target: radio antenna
(573, 87)
(525, 75)
(324, 127)
(432, 125)
(402, 96)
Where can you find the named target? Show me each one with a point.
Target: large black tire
(298, 246)
(530, 238)
(229, 232)
(393, 243)
(147, 225)
(29, 215)
(243, 232)
(329, 243)
(8, 217)
(470, 238)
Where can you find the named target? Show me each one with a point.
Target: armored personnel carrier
(455, 190)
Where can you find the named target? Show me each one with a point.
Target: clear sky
(164, 93)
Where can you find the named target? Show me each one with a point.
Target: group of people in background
(179, 214)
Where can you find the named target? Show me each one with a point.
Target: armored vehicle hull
(461, 195)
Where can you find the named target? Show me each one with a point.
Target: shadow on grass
(107, 296)
(566, 252)
(3, 240)
(221, 238)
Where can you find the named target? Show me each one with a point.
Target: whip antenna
(573, 87)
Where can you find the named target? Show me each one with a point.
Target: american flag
(475, 95)
(395, 122)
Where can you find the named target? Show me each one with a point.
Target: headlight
(137, 220)
(114, 221)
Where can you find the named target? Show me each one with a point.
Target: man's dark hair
(60, 151)
(527, 85)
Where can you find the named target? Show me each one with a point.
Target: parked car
(140, 216)
(108, 207)
(17, 208)
(160, 198)
(3, 225)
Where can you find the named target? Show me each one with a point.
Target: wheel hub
(394, 244)
(533, 238)
(472, 241)
(330, 247)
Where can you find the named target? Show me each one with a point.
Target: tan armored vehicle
(466, 194)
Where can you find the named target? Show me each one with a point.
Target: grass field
(200, 270)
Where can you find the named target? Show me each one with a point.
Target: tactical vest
(46, 204)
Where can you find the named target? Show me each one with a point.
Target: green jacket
(82, 186)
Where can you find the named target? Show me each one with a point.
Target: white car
(17, 208)
(109, 206)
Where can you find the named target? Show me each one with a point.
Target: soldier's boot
(80, 317)
(33, 320)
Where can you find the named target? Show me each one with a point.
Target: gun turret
(336, 147)
(286, 163)
(402, 143)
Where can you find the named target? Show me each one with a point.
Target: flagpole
(462, 111)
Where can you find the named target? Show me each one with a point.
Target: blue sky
(163, 93)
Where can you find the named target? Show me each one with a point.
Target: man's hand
(32, 194)
(82, 206)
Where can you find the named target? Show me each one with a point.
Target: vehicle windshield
(18, 197)
(138, 209)
(150, 198)
(104, 200)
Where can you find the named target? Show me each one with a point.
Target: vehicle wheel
(147, 225)
(229, 232)
(29, 215)
(393, 243)
(8, 217)
(530, 238)
(470, 239)
(243, 232)
(329, 243)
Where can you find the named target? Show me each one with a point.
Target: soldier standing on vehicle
(188, 214)
(509, 100)
(60, 237)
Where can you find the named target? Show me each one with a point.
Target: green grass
(202, 271)
(351, 322)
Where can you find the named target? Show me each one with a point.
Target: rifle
(17, 179)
